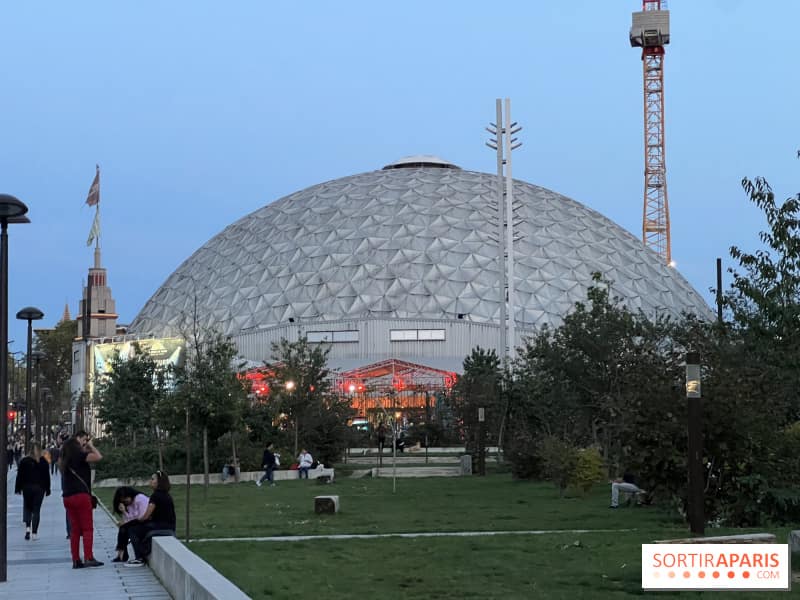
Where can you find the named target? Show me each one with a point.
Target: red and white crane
(650, 32)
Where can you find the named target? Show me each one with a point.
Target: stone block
(794, 541)
(326, 504)
(466, 464)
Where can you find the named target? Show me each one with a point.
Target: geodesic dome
(415, 240)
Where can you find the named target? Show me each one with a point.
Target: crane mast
(650, 32)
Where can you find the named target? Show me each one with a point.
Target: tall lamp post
(290, 385)
(29, 314)
(695, 417)
(38, 432)
(12, 210)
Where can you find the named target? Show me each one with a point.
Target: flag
(94, 191)
(95, 232)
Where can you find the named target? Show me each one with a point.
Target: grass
(564, 565)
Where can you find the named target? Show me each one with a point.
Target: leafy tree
(56, 365)
(129, 395)
(479, 387)
(207, 387)
(314, 416)
(764, 299)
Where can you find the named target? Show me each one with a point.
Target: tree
(56, 365)
(764, 299)
(479, 388)
(317, 417)
(207, 388)
(129, 396)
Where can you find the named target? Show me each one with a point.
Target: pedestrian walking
(76, 455)
(268, 463)
(55, 454)
(33, 482)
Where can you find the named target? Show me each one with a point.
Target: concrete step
(360, 473)
(402, 459)
(417, 472)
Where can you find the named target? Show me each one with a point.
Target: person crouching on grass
(160, 514)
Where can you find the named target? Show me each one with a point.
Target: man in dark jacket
(268, 462)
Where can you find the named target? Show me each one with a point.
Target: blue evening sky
(201, 112)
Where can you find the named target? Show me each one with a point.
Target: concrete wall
(213, 478)
(187, 576)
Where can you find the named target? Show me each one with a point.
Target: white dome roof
(409, 241)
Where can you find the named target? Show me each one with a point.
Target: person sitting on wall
(305, 461)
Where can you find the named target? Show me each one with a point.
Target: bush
(520, 450)
(589, 469)
(559, 461)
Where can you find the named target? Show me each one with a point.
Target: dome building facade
(401, 264)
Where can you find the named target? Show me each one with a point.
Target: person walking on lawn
(268, 462)
(33, 482)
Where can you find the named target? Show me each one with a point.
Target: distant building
(397, 271)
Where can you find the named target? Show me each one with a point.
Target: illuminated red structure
(392, 385)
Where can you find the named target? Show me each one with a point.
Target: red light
(12, 414)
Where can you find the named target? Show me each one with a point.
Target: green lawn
(563, 565)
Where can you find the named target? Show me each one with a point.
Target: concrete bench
(186, 575)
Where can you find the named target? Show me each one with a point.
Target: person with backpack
(268, 462)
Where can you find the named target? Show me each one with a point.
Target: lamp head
(30, 313)
(11, 207)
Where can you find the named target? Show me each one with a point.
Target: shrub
(559, 460)
(589, 469)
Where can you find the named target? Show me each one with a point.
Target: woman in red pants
(76, 455)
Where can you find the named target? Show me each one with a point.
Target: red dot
(686, 574)
(746, 574)
(715, 574)
(701, 574)
(672, 574)
(731, 574)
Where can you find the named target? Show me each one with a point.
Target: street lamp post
(12, 210)
(695, 417)
(29, 314)
(38, 433)
(290, 385)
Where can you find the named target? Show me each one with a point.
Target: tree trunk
(235, 459)
(134, 439)
(188, 470)
(205, 460)
(160, 449)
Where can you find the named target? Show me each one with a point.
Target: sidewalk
(43, 568)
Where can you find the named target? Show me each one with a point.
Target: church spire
(66, 316)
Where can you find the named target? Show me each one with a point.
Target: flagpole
(97, 214)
